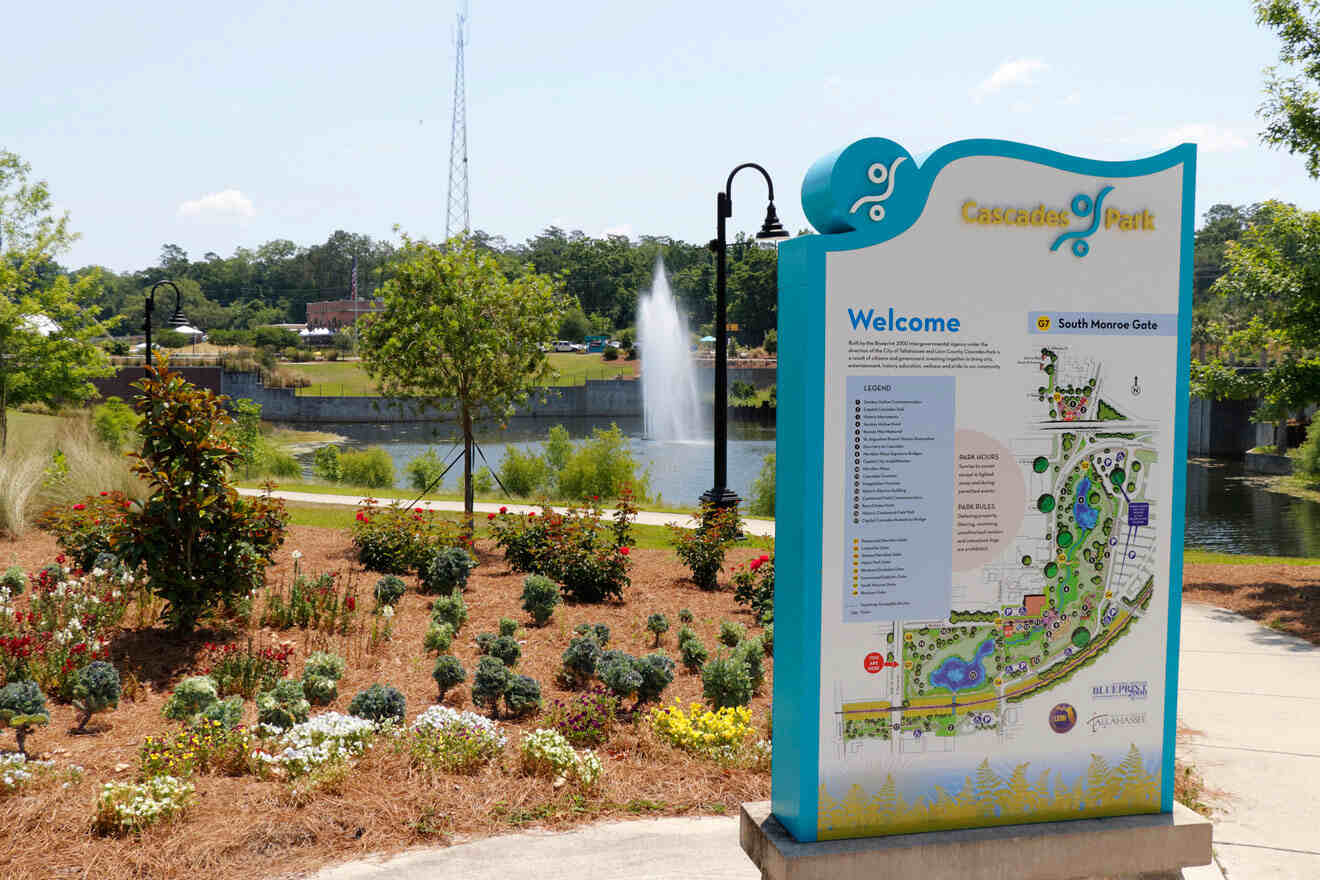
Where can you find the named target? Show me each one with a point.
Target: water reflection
(1228, 510)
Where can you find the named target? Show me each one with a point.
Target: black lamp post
(176, 320)
(720, 495)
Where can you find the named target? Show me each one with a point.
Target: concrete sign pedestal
(1150, 847)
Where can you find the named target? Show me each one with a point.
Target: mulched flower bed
(248, 827)
(1282, 597)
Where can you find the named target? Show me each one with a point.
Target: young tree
(47, 322)
(1292, 104)
(457, 331)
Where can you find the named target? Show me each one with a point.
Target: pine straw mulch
(1283, 597)
(247, 827)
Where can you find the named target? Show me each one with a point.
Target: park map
(1080, 576)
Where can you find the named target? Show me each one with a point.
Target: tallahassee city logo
(1120, 690)
(1062, 718)
(879, 174)
(1082, 206)
(1105, 721)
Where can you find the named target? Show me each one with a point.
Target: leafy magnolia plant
(202, 544)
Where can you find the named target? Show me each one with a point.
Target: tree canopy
(1292, 103)
(456, 330)
(47, 320)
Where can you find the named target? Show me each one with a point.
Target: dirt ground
(246, 827)
(1282, 597)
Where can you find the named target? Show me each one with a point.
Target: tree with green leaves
(1292, 103)
(459, 332)
(47, 322)
(1272, 275)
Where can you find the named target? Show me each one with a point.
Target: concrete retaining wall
(1224, 427)
(1265, 463)
(759, 378)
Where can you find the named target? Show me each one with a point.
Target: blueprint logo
(1062, 718)
(1120, 690)
(1108, 721)
(879, 174)
(1083, 206)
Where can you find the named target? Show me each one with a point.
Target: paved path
(761, 527)
(1250, 695)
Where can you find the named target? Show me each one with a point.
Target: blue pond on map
(957, 674)
(1085, 514)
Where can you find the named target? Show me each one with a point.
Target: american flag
(353, 283)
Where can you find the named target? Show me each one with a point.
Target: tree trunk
(467, 470)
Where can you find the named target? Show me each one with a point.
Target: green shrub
(768, 639)
(579, 661)
(754, 586)
(95, 689)
(190, 697)
(484, 641)
(115, 423)
(726, 682)
(762, 502)
(448, 673)
(439, 638)
(228, 713)
(505, 649)
(454, 742)
(1307, 462)
(371, 467)
(379, 703)
(283, 705)
(557, 448)
(750, 654)
(265, 459)
(597, 631)
(451, 610)
(23, 707)
(389, 590)
(447, 571)
(424, 471)
(702, 549)
(603, 466)
(524, 473)
(771, 342)
(13, 581)
(658, 625)
(522, 696)
(400, 540)
(621, 675)
(692, 652)
(325, 664)
(732, 633)
(586, 719)
(657, 672)
(320, 690)
(325, 463)
(483, 482)
(611, 353)
(508, 626)
(202, 544)
(685, 616)
(540, 595)
(489, 683)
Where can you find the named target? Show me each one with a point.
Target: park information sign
(982, 441)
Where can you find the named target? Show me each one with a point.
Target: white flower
(296, 554)
(387, 612)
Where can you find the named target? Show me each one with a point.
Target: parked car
(564, 345)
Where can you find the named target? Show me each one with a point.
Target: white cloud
(1018, 72)
(1208, 137)
(228, 203)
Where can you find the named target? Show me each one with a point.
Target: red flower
(755, 563)
(103, 494)
(503, 509)
(80, 507)
(490, 516)
(350, 603)
(361, 517)
(530, 515)
(623, 550)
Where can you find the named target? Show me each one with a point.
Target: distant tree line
(603, 277)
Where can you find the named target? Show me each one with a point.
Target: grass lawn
(1210, 557)
(347, 378)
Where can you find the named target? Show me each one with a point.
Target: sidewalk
(764, 528)
(1247, 695)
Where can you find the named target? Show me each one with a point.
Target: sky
(223, 125)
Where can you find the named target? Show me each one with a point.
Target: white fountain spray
(669, 381)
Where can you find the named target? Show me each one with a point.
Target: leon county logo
(1062, 718)
(1118, 690)
(1098, 723)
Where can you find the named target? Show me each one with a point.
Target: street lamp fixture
(176, 320)
(720, 495)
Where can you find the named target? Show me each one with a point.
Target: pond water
(679, 471)
(957, 674)
(1227, 509)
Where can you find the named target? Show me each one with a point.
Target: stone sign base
(1153, 847)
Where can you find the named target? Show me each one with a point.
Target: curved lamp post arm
(151, 307)
(728, 185)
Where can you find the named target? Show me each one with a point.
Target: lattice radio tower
(457, 220)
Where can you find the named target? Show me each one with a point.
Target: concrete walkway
(1247, 692)
(1249, 696)
(761, 527)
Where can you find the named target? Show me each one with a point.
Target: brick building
(340, 313)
